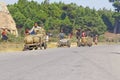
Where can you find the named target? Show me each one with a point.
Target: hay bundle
(42, 37)
(28, 39)
(43, 31)
(83, 40)
(36, 39)
(89, 43)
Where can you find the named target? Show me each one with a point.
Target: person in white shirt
(32, 31)
(47, 38)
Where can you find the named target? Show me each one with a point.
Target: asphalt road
(84, 63)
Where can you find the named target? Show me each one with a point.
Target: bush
(12, 38)
(101, 38)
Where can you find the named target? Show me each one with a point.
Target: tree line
(56, 16)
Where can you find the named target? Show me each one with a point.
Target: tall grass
(12, 38)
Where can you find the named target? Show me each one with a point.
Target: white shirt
(47, 38)
(33, 28)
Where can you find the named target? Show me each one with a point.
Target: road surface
(84, 63)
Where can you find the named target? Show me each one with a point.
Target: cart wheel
(30, 48)
(36, 48)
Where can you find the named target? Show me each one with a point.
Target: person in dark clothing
(78, 34)
(61, 35)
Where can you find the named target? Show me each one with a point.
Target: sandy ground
(12, 47)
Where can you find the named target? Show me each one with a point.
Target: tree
(113, 0)
(46, 2)
(116, 4)
(60, 15)
(19, 19)
(29, 23)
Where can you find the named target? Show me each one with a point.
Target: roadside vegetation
(60, 15)
(69, 17)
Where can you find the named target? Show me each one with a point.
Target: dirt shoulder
(13, 47)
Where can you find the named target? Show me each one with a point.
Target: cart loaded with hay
(84, 41)
(36, 41)
(64, 42)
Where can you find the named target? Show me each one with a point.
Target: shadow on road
(115, 52)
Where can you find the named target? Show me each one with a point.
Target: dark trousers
(4, 37)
